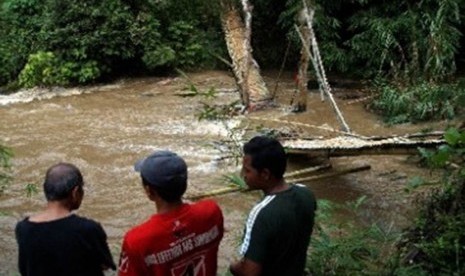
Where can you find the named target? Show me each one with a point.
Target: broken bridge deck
(350, 145)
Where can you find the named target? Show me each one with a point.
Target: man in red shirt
(181, 238)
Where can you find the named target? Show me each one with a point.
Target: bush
(19, 34)
(39, 70)
(435, 244)
(181, 44)
(421, 102)
(9, 67)
(344, 248)
(5, 156)
(45, 69)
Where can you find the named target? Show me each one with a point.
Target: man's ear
(149, 192)
(265, 174)
(75, 192)
(77, 195)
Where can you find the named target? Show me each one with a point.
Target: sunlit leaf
(414, 183)
(453, 136)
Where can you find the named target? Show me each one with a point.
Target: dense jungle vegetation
(412, 49)
(412, 52)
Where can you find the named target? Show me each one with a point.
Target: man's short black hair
(170, 192)
(60, 180)
(267, 153)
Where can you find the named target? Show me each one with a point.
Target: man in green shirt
(278, 229)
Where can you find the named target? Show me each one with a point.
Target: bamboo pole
(331, 174)
(316, 54)
(308, 170)
(235, 189)
(238, 189)
(217, 192)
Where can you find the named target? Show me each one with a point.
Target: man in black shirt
(56, 241)
(278, 229)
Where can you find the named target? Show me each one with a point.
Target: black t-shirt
(69, 246)
(278, 231)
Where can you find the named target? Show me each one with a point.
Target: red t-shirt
(182, 242)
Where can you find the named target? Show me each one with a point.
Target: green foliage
(235, 180)
(77, 72)
(344, 248)
(45, 69)
(9, 67)
(90, 39)
(5, 155)
(20, 26)
(38, 70)
(188, 43)
(421, 102)
(397, 39)
(211, 111)
(31, 189)
(407, 41)
(177, 34)
(400, 40)
(145, 34)
(435, 244)
(180, 44)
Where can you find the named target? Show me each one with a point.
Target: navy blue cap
(162, 169)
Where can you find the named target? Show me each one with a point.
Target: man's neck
(54, 210)
(165, 207)
(276, 187)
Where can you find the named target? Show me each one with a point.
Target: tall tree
(253, 90)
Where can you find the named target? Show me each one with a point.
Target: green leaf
(414, 183)
(442, 156)
(453, 136)
(235, 179)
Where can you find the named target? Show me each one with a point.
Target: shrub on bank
(433, 245)
(347, 248)
(421, 102)
(5, 177)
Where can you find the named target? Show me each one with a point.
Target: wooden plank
(354, 147)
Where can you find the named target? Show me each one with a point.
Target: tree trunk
(253, 90)
(302, 77)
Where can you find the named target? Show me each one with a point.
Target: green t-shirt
(278, 231)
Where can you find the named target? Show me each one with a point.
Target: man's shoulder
(23, 222)
(207, 210)
(304, 191)
(83, 220)
(206, 205)
(283, 203)
(84, 223)
(74, 220)
(301, 188)
(145, 230)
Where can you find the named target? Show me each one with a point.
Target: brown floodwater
(104, 129)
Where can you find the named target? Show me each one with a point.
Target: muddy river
(104, 129)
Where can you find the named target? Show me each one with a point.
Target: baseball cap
(163, 169)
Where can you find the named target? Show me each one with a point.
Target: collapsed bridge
(344, 145)
(350, 145)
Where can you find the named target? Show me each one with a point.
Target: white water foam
(38, 93)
